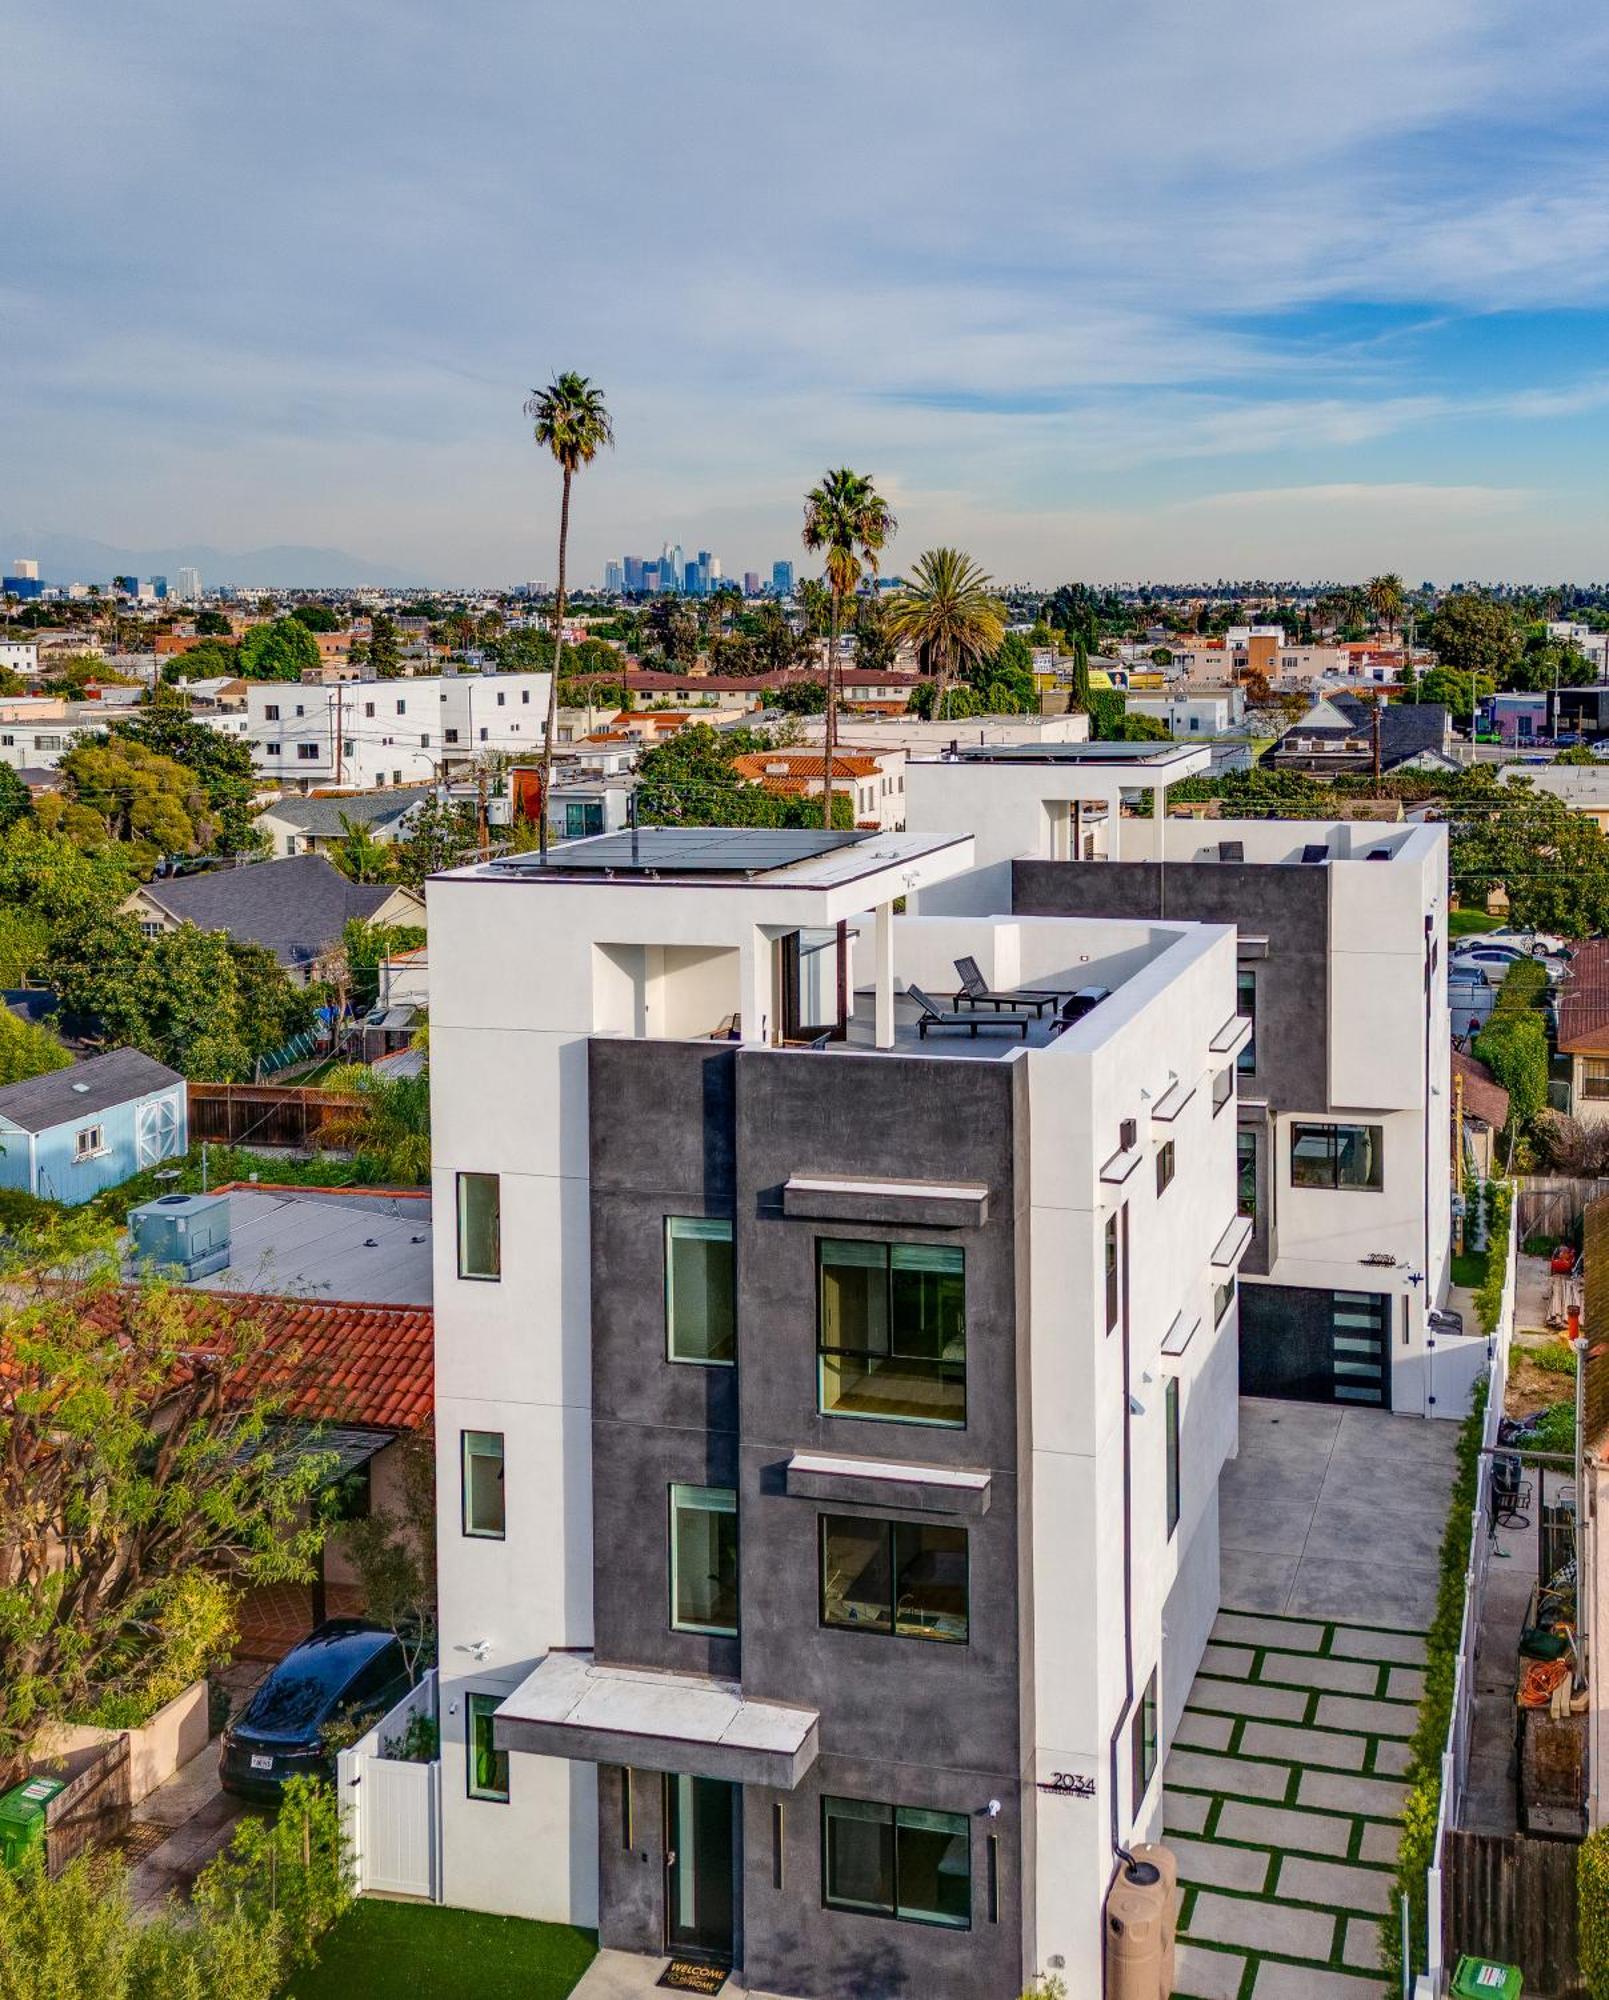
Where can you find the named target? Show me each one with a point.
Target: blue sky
(1167, 288)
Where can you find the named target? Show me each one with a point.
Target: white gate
(391, 1810)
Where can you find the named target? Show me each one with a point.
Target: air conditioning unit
(181, 1235)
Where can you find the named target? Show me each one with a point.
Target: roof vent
(82, 1089)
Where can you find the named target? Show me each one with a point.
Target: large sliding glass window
(896, 1861)
(480, 1246)
(1337, 1156)
(698, 1290)
(487, 1765)
(907, 1578)
(892, 1331)
(703, 1560)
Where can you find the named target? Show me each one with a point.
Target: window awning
(1232, 1037)
(1231, 1246)
(691, 1723)
(929, 1489)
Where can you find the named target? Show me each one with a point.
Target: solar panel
(685, 850)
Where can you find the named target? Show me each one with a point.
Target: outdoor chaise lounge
(932, 1015)
(975, 992)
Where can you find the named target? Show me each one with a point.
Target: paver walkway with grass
(1283, 1803)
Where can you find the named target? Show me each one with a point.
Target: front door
(700, 1867)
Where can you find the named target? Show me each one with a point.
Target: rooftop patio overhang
(689, 1723)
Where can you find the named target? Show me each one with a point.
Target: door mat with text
(686, 1975)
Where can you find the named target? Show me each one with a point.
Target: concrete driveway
(1335, 1513)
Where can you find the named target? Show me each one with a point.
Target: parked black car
(346, 1671)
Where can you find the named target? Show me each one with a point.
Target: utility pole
(1376, 735)
(340, 734)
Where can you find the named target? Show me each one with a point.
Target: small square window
(487, 1765)
(87, 1142)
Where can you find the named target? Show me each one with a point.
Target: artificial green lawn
(1470, 1268)
(427, 1953)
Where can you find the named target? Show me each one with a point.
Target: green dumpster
(1485, 1979)
(22, 1818)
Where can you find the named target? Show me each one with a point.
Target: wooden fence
(263, 1114)
(94, 1808)
(1552, 1204)
(1513, 1898)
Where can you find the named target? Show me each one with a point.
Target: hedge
(1592, 1894)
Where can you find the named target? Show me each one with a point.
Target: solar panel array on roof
(684, 850)
(1068, 753)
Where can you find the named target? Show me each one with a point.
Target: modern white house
(368, 734)
(831, 1392)
(1345, 1112)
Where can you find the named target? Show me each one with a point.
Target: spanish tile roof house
(297, 907)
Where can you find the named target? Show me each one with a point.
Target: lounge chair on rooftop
(932, 1015)
(976, 992)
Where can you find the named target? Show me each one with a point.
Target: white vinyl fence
(1455, 1756)
(391, 1810)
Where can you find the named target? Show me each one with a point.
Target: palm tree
(949, 613)
(1385, 599)
(571, 421)
(849, 520)
(387, 1124)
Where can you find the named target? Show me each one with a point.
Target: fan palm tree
(849, 521)
(1385, 599)
(571, 421)
(949, 613)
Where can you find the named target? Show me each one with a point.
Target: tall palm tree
(571, 421)
(849, 521)
(1385, 599)
(949, 613)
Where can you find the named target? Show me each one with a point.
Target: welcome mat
(686, 1975)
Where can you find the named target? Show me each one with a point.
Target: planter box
(171, 1738)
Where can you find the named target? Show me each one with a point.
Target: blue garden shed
(67, 1135)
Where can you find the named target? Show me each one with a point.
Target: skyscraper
(189, 585)
(672, 567)
(751, 583)
(614, 578)
(633, 566)
(782, 578)
(159, 587)
(27, 567)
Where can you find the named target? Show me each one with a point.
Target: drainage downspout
(1128, 1544)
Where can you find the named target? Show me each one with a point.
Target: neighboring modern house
(1190, 714)
(66, 1135)
(829, 1418)
(1344, 1100)
(320, 821)
(1337, 735)
(297, 907)
(370, 734)
(1584, 1029)
(1584, 788)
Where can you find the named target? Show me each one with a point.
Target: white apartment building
(367, 734)
(19, 656)
(1344, 1095)
(830, 1408)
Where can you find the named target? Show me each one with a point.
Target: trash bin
(1485, 1979)
(22, 1818)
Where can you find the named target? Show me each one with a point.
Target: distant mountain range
(77, 559)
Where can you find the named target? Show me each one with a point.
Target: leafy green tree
(358, 855)
(875, 644)
(1453, 690)
(222, 766)
(317, 618)
(1514, 1047)
(949, 614)
(213, 624)
(691, 780)
(670, 624)
(571, 421)
(961, 701)
(1472, 633)
(1110, 721)
(116, 790)
(1549, 663)
(806, 696)
(281, 651)
(291, 1872)
(849, 523)
(1004, 682)
(1079, 691)
(50, 887)
(15, 804)
(133, 1477)
(212, 660)
(1553, 863)
(524, 652)
(384, 654)
(441, 834)
(28, 1048)
(776, 644)
(393, 1551)
(365, 945)
(387, 1128)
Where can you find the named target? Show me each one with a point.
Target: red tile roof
(803, 764)
(1484, 1097)
(1584, 1000)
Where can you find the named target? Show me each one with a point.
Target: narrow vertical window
(698, 1290)
(1246, 1007)
(1112, 1284)
(480, 1233)
(1246, 1171)
(703, 1560)
(1170, 1408)
(484, 1515)
(1143, 1745)
(1166, 1161)
(488, 1766)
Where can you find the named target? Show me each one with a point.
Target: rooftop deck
(990, 1042)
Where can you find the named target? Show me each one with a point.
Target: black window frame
(1246, 1057)
(1173, 1459)
(1112, 1256)
(893, 1912)
(1331, 1130)
(891, 1528)
(487, 1795)
(942, 1370)
(1167, 1165)
(1144, 1744)
(482, 1534)
(1246, 1149)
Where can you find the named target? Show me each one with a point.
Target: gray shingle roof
(321, 818)
(298, 907)
(1407, 729)
(65, 1095)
